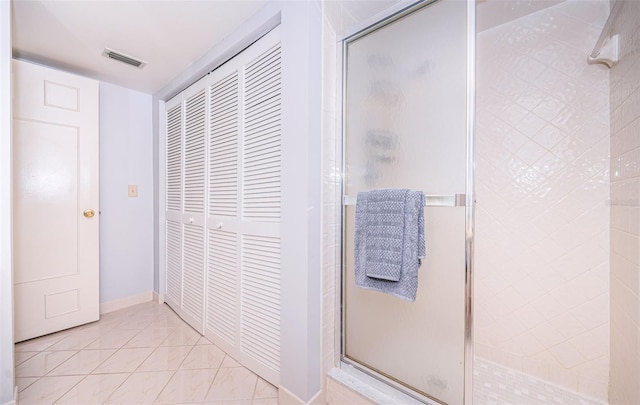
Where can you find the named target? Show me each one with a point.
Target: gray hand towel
(384, 231)
(413, 247)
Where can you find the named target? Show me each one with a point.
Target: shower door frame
(379, 21)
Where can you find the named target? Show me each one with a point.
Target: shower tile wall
(625, 210)
(542, 227)
(331, 206)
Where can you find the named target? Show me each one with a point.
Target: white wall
(6, 270)
(126, 223)
(301, 198)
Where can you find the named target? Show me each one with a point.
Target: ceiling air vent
(110, 53)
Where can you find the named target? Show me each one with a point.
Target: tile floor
(144, 354)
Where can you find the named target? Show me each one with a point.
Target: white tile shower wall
(625, 210)
(330, 197)
(542, 228)
(339, 16)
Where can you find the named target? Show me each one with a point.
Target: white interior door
(55, 189)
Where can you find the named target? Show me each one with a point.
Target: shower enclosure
(407, 124)
(541, 297)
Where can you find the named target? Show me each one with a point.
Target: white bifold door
(223, 155)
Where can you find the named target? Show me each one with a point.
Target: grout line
(71, 388)
(212, 381)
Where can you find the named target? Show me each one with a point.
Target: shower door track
(378, 378)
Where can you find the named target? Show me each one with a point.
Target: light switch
(133, 190)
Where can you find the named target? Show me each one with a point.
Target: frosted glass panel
(406, 128)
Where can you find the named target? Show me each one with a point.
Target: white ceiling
(168, 35)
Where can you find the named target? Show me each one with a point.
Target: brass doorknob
(89, 213)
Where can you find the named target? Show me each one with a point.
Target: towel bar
(450, 200)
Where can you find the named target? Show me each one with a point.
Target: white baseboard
(15, 397)
(286, 397)
(110, 306)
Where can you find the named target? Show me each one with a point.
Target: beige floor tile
(42, 363)
(265, 390)
(166, 321)
(204, 356)
(240, 402)
(204, 341)
(230, 362)
(232, 384)
(150, 308)
(48, 389)
(165, 358)
(135, 322)
(113, 339)
(83, 362)
(96, 328)
(140, 388)
(24, 382)
(265, 401)
(76, 340)
(111, 316)
(187, 386)
(150, 337)
(94, 389)
(183, 336)
(41, 343)
(21, 357)
(124, 361)
(103, 326)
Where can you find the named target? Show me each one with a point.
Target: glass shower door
(406, 127)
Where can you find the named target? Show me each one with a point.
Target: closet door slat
(223, 147)
(194, 209)
(222, 306)
(262, 138)
(194, 154)
(174, 261)
(222, 267)
(260, 330)
(261, 200)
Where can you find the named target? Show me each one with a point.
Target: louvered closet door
(243, 260)
(223, 272)
(195, 127)
(261, 197)
(173, 225)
